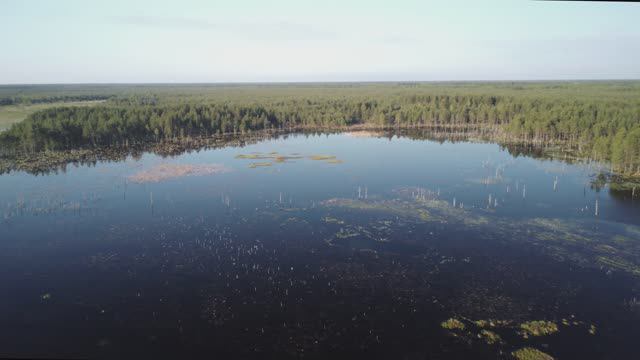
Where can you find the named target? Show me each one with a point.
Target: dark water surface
(361, 255)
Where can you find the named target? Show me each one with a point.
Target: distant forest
(601, 119)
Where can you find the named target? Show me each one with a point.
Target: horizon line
(328, 82)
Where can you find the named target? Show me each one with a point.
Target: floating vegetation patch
(491, 323)
(423, 208)
(490, 337)
(538, 328)
(393, 207)
(529, 353)
(485, 332)
(619, 264)
(329, 159)
(481, 323)
(452, 324)
(346, 233)
(279, 158)
(259, 164)
(332, 220)
(575, 240)
(376, 232)
(322, 157)
(253, 156)
(607, 247)
(164, 172)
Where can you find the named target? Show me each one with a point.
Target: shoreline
(42, 162)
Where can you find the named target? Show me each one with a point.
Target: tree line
(25, 100)
(603, 127)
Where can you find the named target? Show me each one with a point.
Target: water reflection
(407, 248)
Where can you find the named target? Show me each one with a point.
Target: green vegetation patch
(510, 113)
(253, 156)
(619, 263)
(332, 220)
(12, 114)
(529, 353)
(558, 238)
(538, 328)
(346, 233)
(259, 164)
(322, 157)
(278, 158)
(452, 324)
(490, 337)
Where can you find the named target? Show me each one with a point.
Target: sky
(197, 41)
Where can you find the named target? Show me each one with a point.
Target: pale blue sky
(74, 41)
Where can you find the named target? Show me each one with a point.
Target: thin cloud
(165, 22)
(276, 30)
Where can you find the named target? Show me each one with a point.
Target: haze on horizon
(194, 41)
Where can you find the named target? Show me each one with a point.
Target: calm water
(364, 254)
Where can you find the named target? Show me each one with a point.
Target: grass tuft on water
(490, 337)
(322, 157)
(529, 353)
(253, 156)
(452, 324)
(538, 328)
(259, 164)
(332, 220)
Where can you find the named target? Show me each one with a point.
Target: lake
(351, 244)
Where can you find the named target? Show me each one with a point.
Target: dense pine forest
(600, 119)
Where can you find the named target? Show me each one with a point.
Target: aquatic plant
(619, 263)
(346, 233)
(393, 207)
(529, 353)
(329, 219)
(491, 323)
(322, 157)
(253, 156)
(481, 323)
(278, 158)
(559, 238)
(452, 324)
(259, 164)
(490, 337)
(538, 328)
